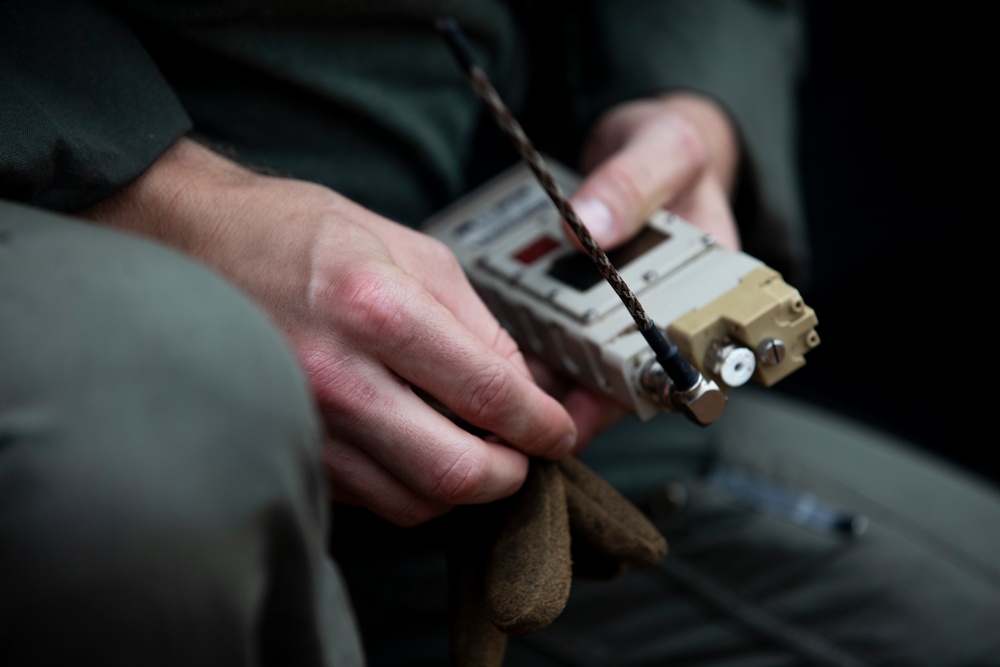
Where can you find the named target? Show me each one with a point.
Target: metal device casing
(508, 237)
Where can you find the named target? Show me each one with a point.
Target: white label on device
(500, 218)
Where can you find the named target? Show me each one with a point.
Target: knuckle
(341, 389)
(484, 397)
(623, 184)
(506, 346)
(372, 304)
(459, 480)
(691, 143)
(442, 257)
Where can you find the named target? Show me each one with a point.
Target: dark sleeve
(745, 54)
(83, 109)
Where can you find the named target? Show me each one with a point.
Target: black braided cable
(668, 355)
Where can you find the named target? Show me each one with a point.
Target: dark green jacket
(362, 95)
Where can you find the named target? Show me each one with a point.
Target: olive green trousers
(160, 496)
(764, 568)
(161, 503)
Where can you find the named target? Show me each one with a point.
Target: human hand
(376, 313)
(677, 152)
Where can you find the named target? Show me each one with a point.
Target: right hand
(374, 310)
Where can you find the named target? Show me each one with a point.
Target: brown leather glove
(510, 570)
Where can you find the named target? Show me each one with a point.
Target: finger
(435, 266)
(365, 404)
(592, 413)
(604, 518)
(707, 207)
(355, 478)
(461, 299)
(656, 167)
(396, 321)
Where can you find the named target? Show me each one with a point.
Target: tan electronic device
(731, 316)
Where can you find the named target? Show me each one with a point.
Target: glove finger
(606, 519)
(475, 641)
(529, 572)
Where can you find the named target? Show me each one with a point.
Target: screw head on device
(772, 351)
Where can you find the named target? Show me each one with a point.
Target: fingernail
(596, 217)
(565, 445)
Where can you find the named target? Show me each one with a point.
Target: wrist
(253, 229)
(167, 201)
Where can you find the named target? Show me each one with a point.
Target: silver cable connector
(703, 403)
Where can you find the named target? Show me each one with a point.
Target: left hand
(678, 152)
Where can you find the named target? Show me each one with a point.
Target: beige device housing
(734, 318)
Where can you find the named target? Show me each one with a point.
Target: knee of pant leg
(154, 431)
(121, 338)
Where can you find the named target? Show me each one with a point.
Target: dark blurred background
(896, 174)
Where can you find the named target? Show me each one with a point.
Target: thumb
(649, 172)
